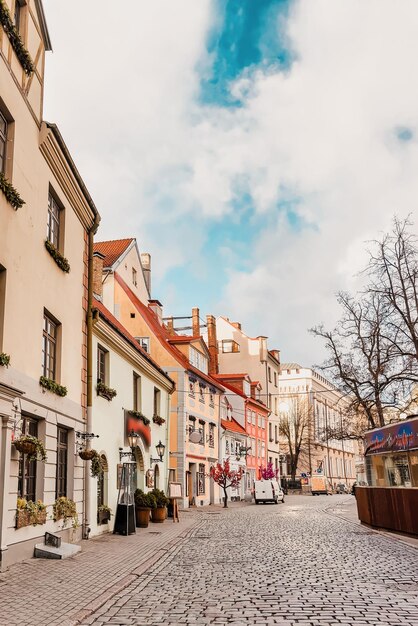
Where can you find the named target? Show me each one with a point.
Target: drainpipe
(87, 485)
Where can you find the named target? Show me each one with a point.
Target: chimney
(98, 259)
(157, 308)
(212, 345)
(262, 348)
(146, 269)
(169, 324)
(195, 322)
(236, 325)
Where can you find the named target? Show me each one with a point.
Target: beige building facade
(239, 353)
(46, 215)
(335, 458)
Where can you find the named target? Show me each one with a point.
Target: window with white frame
(247, 388)
(144, 342)
(198, 360)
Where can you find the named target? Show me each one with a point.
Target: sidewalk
(347, 509)
(41, 592)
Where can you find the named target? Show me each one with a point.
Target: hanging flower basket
(25, 447)
(32, 446)
(87, 455)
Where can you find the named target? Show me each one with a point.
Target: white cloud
(124, 92)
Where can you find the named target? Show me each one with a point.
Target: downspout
(87, 483)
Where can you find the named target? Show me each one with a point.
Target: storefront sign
(402, 436)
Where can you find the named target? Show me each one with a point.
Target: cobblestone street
(304, 562)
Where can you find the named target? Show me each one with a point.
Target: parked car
(268, 491)
(341, 488)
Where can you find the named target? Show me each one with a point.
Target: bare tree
(362, 361)
(393, 267)
(295, 426)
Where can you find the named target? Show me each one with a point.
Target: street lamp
(132, 442)
(160, 447)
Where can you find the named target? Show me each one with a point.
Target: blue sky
(251, 146)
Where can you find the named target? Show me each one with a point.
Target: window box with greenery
(51, 385)
(59, 259)
(140, 416)
(4, 359)
(32, 446)
(15, 39)
(65, 509)
(103, 514)
(30, 513)
(10, 192)
(105, 392)
(157, 419)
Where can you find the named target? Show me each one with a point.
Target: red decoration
(138, 426)
(225, 477)
(268, 473)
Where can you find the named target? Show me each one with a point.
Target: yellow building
(46, 215)
(194, 410)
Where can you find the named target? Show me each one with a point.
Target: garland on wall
(16, 40)
(59, 259)
(10, 192)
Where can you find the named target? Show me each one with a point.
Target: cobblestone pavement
(296, 563)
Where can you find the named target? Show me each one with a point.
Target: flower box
(29, 518)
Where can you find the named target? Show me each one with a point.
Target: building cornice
(62, 166)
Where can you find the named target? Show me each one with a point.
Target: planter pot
(26, 518)
(142, 517)
(158, 515)
(103, 517)
(87, 455)
(25, 447)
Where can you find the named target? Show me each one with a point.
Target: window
(270, 432)
(253, 418)
(198, 359)
(54, 221)
(134, 277)
(202, 430)
(201, 479)
(211, 398)
(3, 142)
(157, 401)
(144, 343)
(247, 388)
(49, 347)
(27, 469)
(211, 436)
(249, 417)
(201, 393)
(102, 358)
(191, 388)
(269, 373)
(62, 462)
(276, 438)
(275, 379)
(226, 446)
(136, 392)
(228, 345)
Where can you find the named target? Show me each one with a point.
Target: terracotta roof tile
(112, 250)
(107, 315)
(233, 426)
(163, 335)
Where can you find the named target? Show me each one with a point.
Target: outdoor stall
(391, 498)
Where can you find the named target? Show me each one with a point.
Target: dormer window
(228, 345)
(144, 343)
(247, 388)
(198, 360)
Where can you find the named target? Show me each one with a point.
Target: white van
(268, 491)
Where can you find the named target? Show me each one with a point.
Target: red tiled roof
(112, 250)
(233, 376)
(110, 319)
(163, 335)
(249, 399)
(183, 338)
(233, 426)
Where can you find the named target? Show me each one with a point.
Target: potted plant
(159, 514)
(103, 514)
(144, 504)
(96, 468)
(65, 509)
(32, 446)
(29, 512)
(86, 454)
